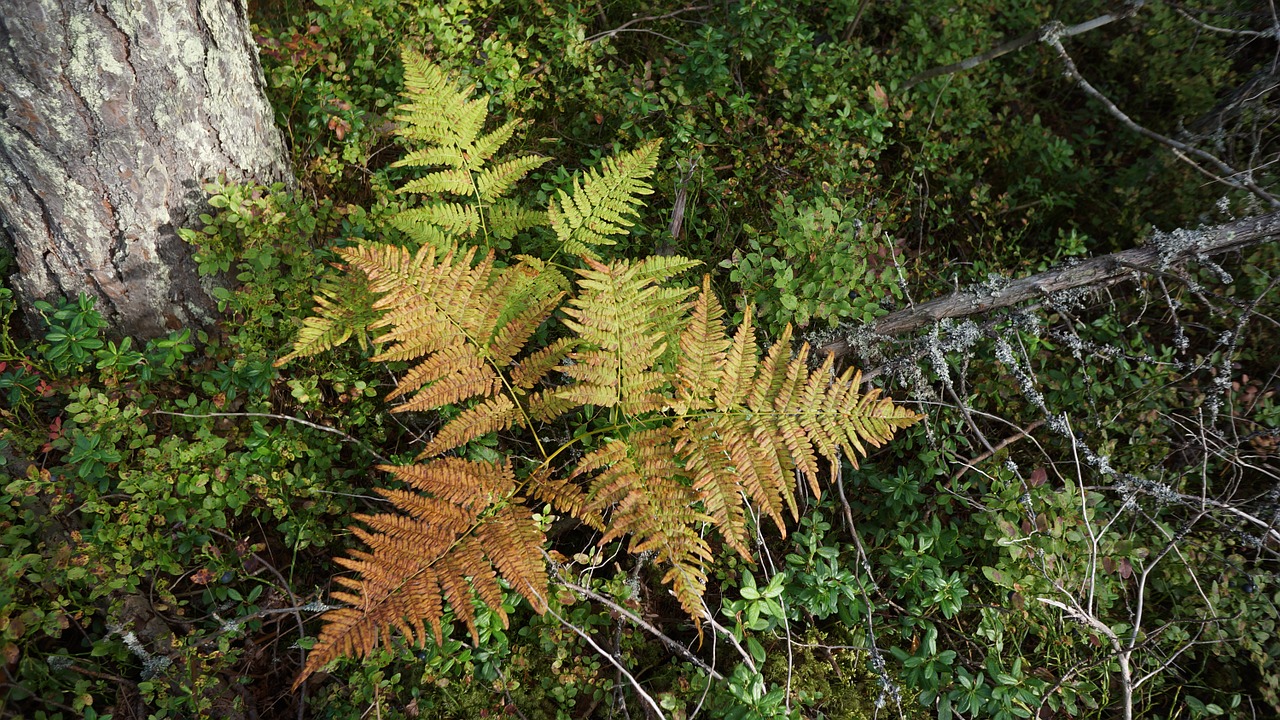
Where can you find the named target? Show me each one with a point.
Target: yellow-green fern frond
(620, 343)
(452, 220)
(486, 146)
(508, 218)
(603, 201)
(419, 228)
(494, 182)
(446, 118)
(438, 111)
(344, 308)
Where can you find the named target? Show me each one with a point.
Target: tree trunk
(112, 114)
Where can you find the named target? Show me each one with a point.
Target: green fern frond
(603, 201)
(432, 157)
(454, 182)
(486, 146)
(494, 182)
(438, 111)
(508, 218)
(454, 219)
(445, 117)
(417, 226)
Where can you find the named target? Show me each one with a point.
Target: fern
(601, 201)
(344, 307)
(700, 430)
(739, 430)
(450, 542)
(445, 117)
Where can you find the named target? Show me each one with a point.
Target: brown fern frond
(706, 460)
(444, 547)
(467, 322)
(507, 538)
(547, 405)
(453, 365)
(652, 501)
(563, 495)
(466, 483)
(496, 413)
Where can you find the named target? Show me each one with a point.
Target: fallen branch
(1160, 252)
(1021, 41)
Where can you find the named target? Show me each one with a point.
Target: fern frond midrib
(448, 312)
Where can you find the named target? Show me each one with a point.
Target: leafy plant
(696, 429)
(819, 263)
(73, 334)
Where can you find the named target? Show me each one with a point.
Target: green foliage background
(170, 506)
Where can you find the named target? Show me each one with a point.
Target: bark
(112, 114)
(1162, 251)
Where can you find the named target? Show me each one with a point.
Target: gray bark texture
(112, 115)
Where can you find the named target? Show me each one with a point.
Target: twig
(1214, 28)
(967, 465)
(623, 27)
(670, 643)
(657, 709)
(1054, 40)
(1022, 41)
(717, 627)
(274, 416)
(852, 27)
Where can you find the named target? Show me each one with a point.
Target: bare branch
(1160, 252)
(670, 643)
(1028, 38)
(275, 416)
(1228, 172)
(624, 26)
